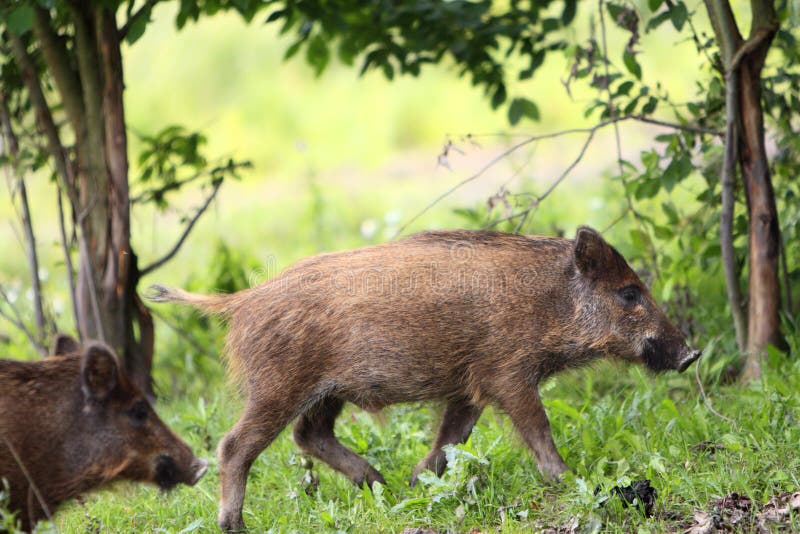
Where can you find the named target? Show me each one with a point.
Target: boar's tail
(218, 304)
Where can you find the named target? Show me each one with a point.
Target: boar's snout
(168, 474)
(690, 356)
(671, 353)
(199, 468)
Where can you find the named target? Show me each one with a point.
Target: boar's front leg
(524, 406)
(459, 417)
(313, 432)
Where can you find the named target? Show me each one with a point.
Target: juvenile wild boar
(73, 422)
(469, 317)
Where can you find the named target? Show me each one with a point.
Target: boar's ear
(589, 251)
(98, 372)
(65, 344)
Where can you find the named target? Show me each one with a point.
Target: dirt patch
(737, 513)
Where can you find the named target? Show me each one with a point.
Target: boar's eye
(139, 412)
(630, 295)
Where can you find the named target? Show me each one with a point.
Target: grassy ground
(613, 424)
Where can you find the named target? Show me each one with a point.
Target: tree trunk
(743, 61)
(96, 180)
(764, 231)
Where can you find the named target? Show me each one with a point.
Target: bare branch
(533, 138)
(151, 194)
(182, 334)
(523, 214)
(143, 11)
(85, 262)
(31, 482)
(168, 256)
(17, 321)
(43, 115)
(68, 260)
(30, 238)
(728, 180)
(618, 141)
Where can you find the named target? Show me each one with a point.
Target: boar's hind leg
(261, 422)
(524, 406)
(457, 421)
(313, 432)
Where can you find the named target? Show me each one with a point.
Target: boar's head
(118, 434)
(615, 312)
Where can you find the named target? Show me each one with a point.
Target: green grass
(612, 423)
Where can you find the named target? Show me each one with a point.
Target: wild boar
(468, 317)
(73, 422)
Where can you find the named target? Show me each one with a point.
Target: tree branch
(553, 135)
(10, 141)
(16, 320)
(618, 142)
(169, 255)
(55, 54)
(535, 202)
(752, 44)
(36, 95)
(68, 260)
(151, 194)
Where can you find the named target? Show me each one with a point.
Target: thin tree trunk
(729, 262)
(764, 230)
(746, 60)
(121, 276)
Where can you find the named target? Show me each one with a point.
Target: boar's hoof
(553, 472)
(231, 524)
(687, 361)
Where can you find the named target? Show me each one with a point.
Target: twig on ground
(705, 397)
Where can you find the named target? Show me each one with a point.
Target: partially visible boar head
(74, 422)
(122, 435)
(616, 313)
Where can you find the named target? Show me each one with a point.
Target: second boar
(469, 317)
(74, 422)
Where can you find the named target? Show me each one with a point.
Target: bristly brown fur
(66, 428)
(466, 317)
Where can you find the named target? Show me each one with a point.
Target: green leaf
(647, 188)
(640, 240)
(663, 232)
(650, 107)
(317, 54)
(654, 4)
(631, 64)
(499, 96)
(677, 170)
(624, 88)
(569, 11)
(522, 107)
(20, 20)
(671, 213)
(678, 14)
(658, 20)
(137, 27)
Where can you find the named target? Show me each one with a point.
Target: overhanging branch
(533, 138)
(189, 226)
